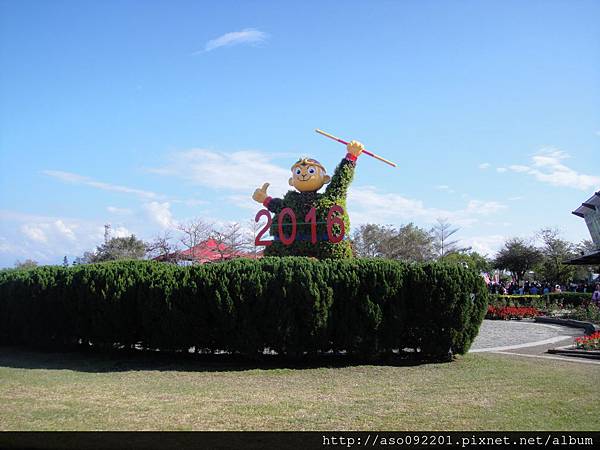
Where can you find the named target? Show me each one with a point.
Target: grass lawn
(76, 391)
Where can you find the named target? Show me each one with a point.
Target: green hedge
(291, 305)
(541, 301)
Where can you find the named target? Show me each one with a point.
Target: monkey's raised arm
(342, 177)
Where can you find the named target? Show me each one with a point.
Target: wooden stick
(330, 136)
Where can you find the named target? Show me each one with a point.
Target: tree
(472, 260)
(253, 229)
(442, 231)
(113, 249)
(194, 232)
(120, 248)
(407, 243)
(586, 246)
(230, 240)
(555, 251)
(517, 257)
(107, 231)
(27, 264)
(411, 243)
(161, 247)
(583, 273)
(371, 240)
(86, 258)
(65, 261)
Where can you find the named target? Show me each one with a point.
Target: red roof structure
(207, 252)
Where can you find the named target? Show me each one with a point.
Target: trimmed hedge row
(290, 305)
(541, 301)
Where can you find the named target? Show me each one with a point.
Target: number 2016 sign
(334, 217)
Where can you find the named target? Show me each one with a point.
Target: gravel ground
(506, 333)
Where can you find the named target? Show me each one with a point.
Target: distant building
(206, 252)
(590, 212)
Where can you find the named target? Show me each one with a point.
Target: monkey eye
(311, 170)
(298, 171)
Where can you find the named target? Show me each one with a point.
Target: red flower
(511, 312)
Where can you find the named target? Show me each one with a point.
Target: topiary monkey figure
(308, 176)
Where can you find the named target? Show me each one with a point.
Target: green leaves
(291, 305)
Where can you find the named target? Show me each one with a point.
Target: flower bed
(587, 313)
(511, 312)
(591, 342)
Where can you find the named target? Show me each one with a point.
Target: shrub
(291, 305)
(548, 301)
(586, 313)
(569, 298)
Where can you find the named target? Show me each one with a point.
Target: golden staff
(364, 151)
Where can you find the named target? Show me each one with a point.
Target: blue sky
(144, 114)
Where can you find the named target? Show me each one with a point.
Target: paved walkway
(526, 339)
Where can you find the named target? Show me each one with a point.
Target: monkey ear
(326, 179)
(291, 181)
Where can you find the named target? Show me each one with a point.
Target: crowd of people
(536, 288)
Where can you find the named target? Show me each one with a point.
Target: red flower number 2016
(334, 217)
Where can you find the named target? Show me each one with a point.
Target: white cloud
(160, 213)
(44, 231)
(498, 224)
(547, 166)
(47, 239)
(244, 201)
(74, 178)
(484, 166)
(368, 205)
(237, 171)
(119, 232)
(246, 36)
(35, 233)
(484, 245)
(49, 230)
(501, 169)
(519, 168)
(191, 202)
(65, 230)
(4, 244)
(445, 188)
(484, 208)
(120, 211)
(9, 247)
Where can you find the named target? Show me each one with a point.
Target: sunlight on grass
(41, 391)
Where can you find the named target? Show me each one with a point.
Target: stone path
(527, 339)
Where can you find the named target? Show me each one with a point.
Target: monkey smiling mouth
(306, 179)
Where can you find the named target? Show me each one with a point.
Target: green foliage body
(291, 305)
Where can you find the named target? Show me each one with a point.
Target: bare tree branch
(194, 232)
(230, 241)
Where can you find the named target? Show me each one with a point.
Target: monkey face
(308, 176)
